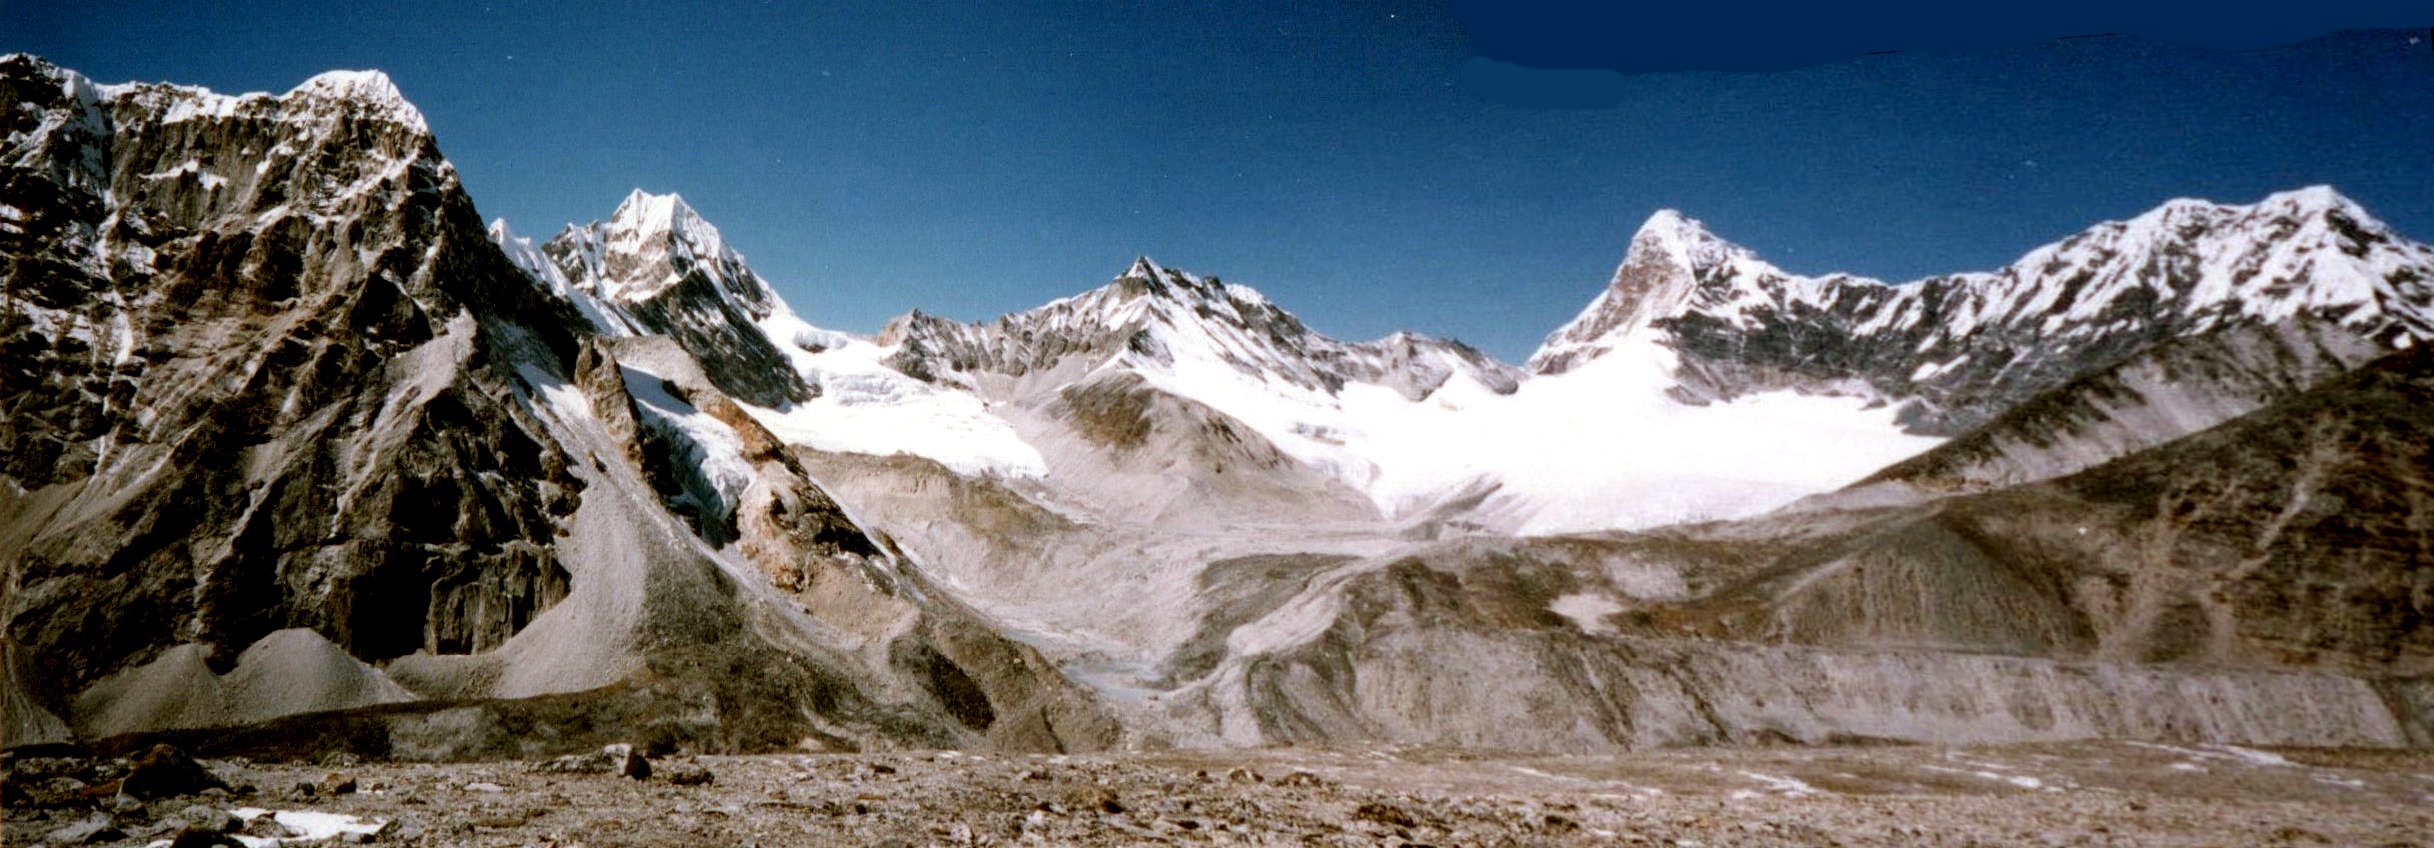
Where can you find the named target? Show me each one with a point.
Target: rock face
(287, 431)
(1959, 349)
(258, 379)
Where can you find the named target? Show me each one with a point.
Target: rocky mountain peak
(71, 83)
(657, 267)
(648, 246)
(2306, 214)
(1143, 268)
(646, 217)
(1146, 277)
(1671, 256)
(371, 91)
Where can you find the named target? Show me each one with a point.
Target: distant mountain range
(291, 435)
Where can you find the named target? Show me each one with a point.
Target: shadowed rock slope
(2170, 390)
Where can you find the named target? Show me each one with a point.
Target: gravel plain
(2060, 795)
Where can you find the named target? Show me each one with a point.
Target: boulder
(166, 772)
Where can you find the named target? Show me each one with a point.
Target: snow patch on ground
(1791, 787)
(2252, 756)
(308, 825)
(1587, 610)
(2229, 753)
(2020, 780)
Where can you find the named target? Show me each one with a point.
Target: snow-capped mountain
(1957, 349)
(1163, 319)
(656, 268)
(1701, 383)
(1414, 424)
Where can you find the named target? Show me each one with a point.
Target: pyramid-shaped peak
(1670, 227)
(1673, 239)
(1146, 276)
(1670, 220)
(648, 217)
(644, 208)
(1142, 268)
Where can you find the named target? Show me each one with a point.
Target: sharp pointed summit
(1142, 268)
(657, 267)
(1668, 258)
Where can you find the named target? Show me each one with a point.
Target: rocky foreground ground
(2080, 794)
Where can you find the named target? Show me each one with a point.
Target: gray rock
(334, 784)
(206, 818)
(687, 774)
(265, 826)
(618, 759)
(166, 772)
(94, 829)
(404, 829)
(627, 762)
(194, 837)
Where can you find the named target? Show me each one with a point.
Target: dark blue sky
(1355, 161)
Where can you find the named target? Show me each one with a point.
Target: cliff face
(260, 375)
